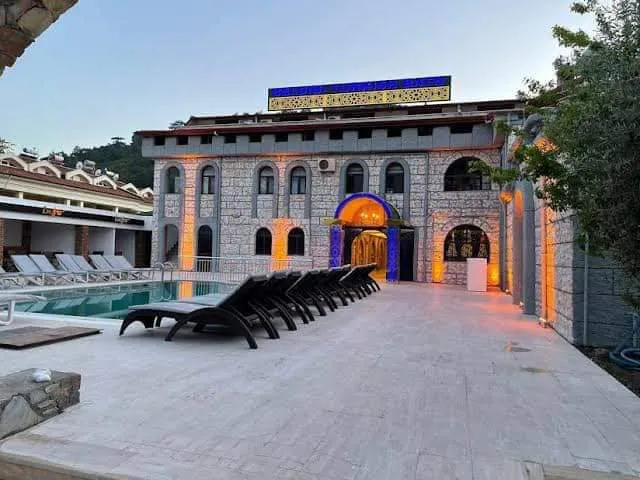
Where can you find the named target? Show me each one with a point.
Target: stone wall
(559, 283)
(171, 205)
(24, 403)
(296, 206)
(207, 206)
(448, 210)
(22, 21)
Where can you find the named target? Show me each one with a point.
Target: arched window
(205, 241)
(295, 242)
(263, 242)
(173, 180)
(355, 179)
(208, 181)
(460, 176)
(394, 179)
(267, 181)
(298, 184)
(466, 241)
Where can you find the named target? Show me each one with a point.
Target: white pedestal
(477, 274)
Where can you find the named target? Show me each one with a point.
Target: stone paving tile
(436, 467)
(331, 467)
(416, 382)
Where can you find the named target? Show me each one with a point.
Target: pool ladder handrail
(164, 267)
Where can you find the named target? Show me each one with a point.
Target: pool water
(114, 301)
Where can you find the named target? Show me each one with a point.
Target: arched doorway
(370, 246)
(204, 249)
(171, 243)
(205, 241)
(366, 229)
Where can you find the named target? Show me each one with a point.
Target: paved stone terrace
(415, 382)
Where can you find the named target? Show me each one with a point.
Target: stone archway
(362, 212)
(21, 22)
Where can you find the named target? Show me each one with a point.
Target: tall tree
(591, 117)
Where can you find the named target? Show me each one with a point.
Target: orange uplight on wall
(185, 290)
(437, 271)
(549, 300)
(493, 272)
(188, 219)
(279, 256)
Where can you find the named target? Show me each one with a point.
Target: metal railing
(235, 269)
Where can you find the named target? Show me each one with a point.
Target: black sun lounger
(276, 291)
(304, 292)
(183, 312)
(242, 302)
(271, 297)
(359, 282)
(228, 311)
(329, 284)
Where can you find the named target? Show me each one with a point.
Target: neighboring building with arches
(365, 183)
(48, 207)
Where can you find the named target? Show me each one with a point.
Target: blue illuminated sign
(383, 92)
(358, 87)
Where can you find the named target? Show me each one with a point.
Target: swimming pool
(113, 301)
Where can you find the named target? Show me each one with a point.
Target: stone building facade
(411, 165)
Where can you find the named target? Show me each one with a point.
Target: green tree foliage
(592, 119)
(120, 157)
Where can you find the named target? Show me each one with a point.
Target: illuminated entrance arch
(371, 226)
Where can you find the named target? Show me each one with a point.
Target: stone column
(336, 238)
(82, 240)
(393, 254)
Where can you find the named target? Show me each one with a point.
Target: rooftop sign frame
(356, 94)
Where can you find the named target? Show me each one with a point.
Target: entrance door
(407, 242)
(370, 247)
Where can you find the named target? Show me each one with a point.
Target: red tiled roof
(18, 172)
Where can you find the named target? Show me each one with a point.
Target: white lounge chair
(101, 264)
(70, 265)
(118, 261)
(87, 267)
(31, 273)
(8, 279)
(10, 301)
(46, 267)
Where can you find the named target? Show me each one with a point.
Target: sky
(109, 68)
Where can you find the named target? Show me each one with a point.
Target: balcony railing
(235, 269)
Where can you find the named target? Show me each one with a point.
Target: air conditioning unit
(327, 165)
